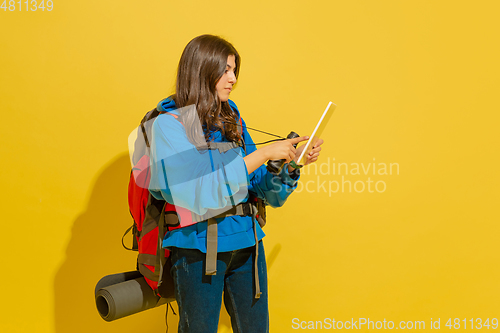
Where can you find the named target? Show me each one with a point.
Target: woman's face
(226, 82)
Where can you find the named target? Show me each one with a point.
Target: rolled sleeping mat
(126, 297)
(112, 279)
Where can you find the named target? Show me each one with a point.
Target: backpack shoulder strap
(146, 127)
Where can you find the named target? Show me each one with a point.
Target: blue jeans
(199, 296)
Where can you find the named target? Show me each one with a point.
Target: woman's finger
(314, 152)
(299, 139)
(318, 143)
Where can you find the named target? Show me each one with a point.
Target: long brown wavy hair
(202, 64)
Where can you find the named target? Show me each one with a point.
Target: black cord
(166, 319)
(253, 129)
(166, 314)
(262, 143)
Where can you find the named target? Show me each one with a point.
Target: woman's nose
(232, 78)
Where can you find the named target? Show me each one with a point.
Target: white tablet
(314, 137)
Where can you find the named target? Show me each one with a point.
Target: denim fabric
(200, 296)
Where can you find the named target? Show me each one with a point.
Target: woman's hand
(311, 157)
(275, 151)
(283, 149)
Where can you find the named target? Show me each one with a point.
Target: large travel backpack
(146, 212)
(153, 218)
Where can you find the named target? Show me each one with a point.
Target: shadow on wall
(95, 250)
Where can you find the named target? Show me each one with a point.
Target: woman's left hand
(311, 157)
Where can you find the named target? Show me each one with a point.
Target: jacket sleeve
(192, 179)
(263, 184)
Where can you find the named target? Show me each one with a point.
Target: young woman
(198, 181)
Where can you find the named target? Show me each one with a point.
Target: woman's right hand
(275, 151)
(283, 149)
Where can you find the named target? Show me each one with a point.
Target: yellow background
(416, 83)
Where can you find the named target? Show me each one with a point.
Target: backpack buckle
(247, 209)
